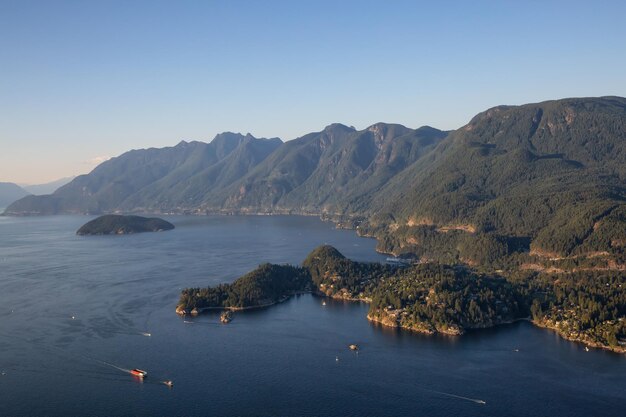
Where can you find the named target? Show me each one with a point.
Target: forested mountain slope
(154, 179)
(550, 177)
(536, 185)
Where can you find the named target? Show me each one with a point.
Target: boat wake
(460, 397)
(113, 366)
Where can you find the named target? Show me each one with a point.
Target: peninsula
(435, 298)
(114, 224)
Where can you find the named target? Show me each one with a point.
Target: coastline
(200, 310)
(391, 321)
(619, 349)
(339, 221)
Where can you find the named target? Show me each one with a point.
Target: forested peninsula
(435, 298)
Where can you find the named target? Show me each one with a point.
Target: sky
(82, 81)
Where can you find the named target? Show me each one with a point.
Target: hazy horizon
(82, 82)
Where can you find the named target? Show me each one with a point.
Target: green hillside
(542, 177)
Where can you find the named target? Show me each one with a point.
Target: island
(433, 298)
(114, 224)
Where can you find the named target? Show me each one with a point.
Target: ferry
(138, 373)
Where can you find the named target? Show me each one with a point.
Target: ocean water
(77, 312)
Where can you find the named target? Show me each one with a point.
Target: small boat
(226, 316)
(138, 373)
(168, 383)
(353, 347)
(323, 303)
(586, 349)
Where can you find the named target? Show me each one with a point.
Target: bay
(76, 312)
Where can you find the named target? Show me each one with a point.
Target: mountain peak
(228, 136)
(334, 127)
(184, 143)
(387, 131)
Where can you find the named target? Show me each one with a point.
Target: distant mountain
(10, 192)
(219, 164)
(152, 179)
(321, 171)
(529, 184)
(47, 188)
(332, 170)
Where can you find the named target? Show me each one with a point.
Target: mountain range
(546, 180)
(10, 192)
(48, 187)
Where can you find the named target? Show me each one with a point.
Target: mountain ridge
(11, 192)
(536, 178)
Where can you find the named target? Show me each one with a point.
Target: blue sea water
(77, 312)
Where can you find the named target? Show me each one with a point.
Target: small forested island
(114, 224)
(437, 298)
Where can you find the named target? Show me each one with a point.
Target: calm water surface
(75, 312)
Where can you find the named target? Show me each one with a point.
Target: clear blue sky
(80, 80)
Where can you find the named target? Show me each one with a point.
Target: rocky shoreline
(196, 311)
(392, 320)
(580, 338)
